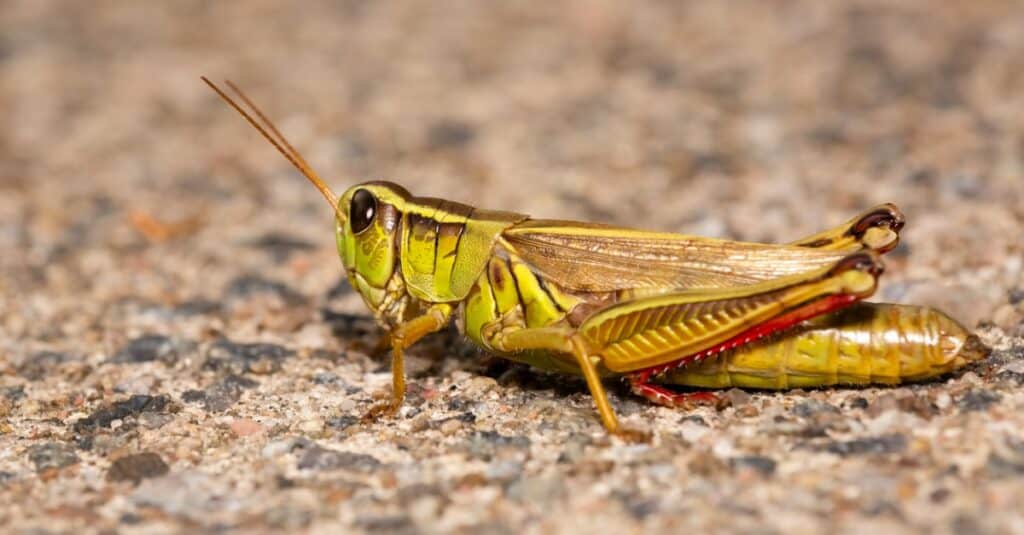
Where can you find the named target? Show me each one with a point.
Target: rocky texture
(179, 350)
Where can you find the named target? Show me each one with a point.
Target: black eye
(362, 210)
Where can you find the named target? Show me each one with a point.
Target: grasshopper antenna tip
(274, 136)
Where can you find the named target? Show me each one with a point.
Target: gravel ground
(179, 350)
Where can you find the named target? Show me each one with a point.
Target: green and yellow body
(653, 308)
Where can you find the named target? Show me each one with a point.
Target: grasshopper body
(653, 308)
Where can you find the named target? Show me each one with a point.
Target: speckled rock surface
(179, 351)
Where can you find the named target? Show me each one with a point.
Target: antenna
(277, 139)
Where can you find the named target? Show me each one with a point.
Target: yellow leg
(566, 340)
(405, 335)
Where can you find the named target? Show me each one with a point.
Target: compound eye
(362, 210)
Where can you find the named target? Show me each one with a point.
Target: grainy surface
(179, 352)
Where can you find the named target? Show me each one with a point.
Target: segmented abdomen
(862, 344)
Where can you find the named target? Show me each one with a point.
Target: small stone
(321, 459)
(503, 471)
(451, 426)
(762, 465)
(311, 426)
(858, 403)
(137, 467)
(197, 307)
(999, 467)
(478, 386)
(12, 393)
(280, 447)
(385, 524)
(484, 444)
(219, 396)
(734, 397)
(243, 427)
(281, 246)
(978, 400)
(191, 494)
(325, 378)
(153, 420)
(748, 411)
(884, 444)
(540, 491)
(120, 410)
(39, 365)
(347, 420)
(288, 517)
(193, 396)
(706, 464)
(811, 407)
(52, 455)
(1006, 316)
(151, 348)
(235, 358)
(250, 285)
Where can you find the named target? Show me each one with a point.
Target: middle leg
(567, 340)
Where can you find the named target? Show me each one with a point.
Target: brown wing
(597, 258)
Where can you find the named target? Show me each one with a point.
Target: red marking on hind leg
(668, 398)
(774, 325)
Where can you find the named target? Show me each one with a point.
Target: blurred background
(128, 189)
(748, 120)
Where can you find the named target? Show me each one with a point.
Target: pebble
(243, 427)
(154, 347)
(281, 246)
(137, 467)
(321, 459)
(238, 358)
(288, 517)
(1007, 317)
(345, 421)
(542, 492)
(120, 410)
(249, 285)
(191, 494)
(49, 455)
(978, 399)
(451, 426)
(311, 426)
(277, 448)
(41, 364)
(812, 407)
(221, 395)
(736, 397)
(884, 444)
(762, 465)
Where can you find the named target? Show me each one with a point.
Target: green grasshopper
(652, 308)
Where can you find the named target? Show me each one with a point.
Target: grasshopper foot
(385, 409)
(633, 436)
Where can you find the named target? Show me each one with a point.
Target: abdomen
(864, 344)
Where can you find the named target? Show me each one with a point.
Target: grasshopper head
(367, 231)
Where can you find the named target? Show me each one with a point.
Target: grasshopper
(652, 308)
